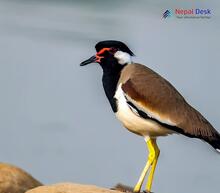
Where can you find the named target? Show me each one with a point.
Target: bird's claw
(146, 191)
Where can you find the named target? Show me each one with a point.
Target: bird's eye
(113, 50)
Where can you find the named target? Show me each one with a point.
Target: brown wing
(154, 95)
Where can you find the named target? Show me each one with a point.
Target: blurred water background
(55, 121)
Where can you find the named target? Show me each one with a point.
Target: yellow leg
(154, 164)
(137, 188)
(152, 160)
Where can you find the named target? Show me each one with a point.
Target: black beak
(90, 60)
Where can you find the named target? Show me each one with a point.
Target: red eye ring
(102, 51)
(99, 54)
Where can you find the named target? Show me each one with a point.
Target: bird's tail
(215, 142)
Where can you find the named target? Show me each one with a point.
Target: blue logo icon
(167, 14)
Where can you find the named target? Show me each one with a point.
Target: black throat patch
(111, 75)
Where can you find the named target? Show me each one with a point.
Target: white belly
(135, 123)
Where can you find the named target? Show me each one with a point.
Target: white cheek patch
(123, 57)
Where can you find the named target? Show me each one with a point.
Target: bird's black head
(110, 54)
(120, 46)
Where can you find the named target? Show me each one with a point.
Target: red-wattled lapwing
(146, 103)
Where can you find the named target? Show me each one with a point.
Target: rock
(71, 188)
(15, 180)
(123, 188)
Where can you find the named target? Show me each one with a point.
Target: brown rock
(15, 180)
(71, 188)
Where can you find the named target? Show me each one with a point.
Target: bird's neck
(111, 74)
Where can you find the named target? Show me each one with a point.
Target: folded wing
(150, 94)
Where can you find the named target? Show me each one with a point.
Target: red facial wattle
(102, 51)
